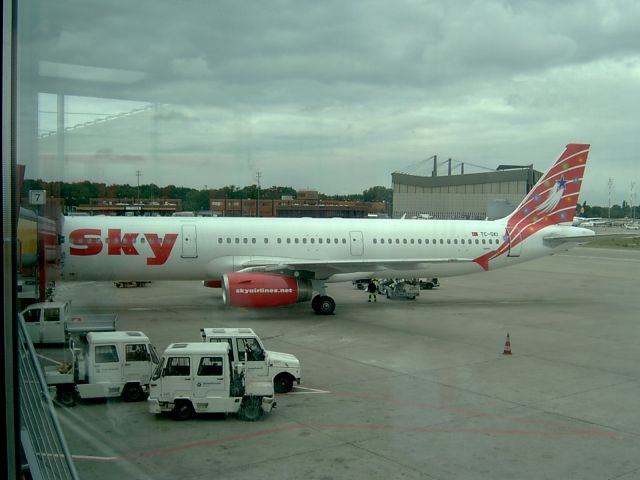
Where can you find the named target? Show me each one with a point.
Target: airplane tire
(326, 305)
(315, 303)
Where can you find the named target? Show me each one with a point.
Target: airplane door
(515, 248)
(357, 247)
(189, 241)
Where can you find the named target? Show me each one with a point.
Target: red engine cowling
(258, 290)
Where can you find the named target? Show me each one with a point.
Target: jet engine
(258, 290)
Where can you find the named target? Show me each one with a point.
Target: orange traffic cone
(507, 346)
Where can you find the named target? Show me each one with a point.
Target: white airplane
(589, 221)
(265, 262)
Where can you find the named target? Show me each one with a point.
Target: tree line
(79, 193)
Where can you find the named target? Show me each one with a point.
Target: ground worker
(372, 288)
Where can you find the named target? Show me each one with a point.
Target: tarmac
(399, 388)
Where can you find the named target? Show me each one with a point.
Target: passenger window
(344, 240)
(177, 367)
(106, 354)
(382, 240)
(31, 316)
(483, 241)
(296, 240)
(304, 240)
(319, 240)
(136, 353)
(397, 241)
(245, 240)
(253, 240)
(228, 240)
(237, 240)
(288, 240)
(404, 240)
(313, 240)
(266, 240)
(210, 366)
(412, 241)
(219, 239)
(51, 314)
(375, 241)
(279, 240)
(455, 241)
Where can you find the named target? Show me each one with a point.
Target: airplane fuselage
(201, 248)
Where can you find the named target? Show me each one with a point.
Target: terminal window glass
(106, 354)
(177, 366)
(210, 366)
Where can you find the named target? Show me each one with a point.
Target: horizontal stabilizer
(555, 240)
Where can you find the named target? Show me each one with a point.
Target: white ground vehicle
(107, 364)
(400, 288)
(428, 283)
(53, 322)
(246, 347)
(199, 378)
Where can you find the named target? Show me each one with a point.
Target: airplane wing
(326, 268)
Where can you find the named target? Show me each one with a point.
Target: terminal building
(472, 196)
(307, 204)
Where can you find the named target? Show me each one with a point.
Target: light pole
(258, 175)
(138, 174)
(610, 184)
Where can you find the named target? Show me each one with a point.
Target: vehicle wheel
(250, 409)
(183, 410)
(132, 392)
(413, 297)
(283, 383)
(326, 305)
(429, 286)
(66, 396)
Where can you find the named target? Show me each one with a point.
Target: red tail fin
(551, 201)
(554, 198)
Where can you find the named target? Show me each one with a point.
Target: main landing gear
(323, 305)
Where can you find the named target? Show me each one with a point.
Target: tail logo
(551, 201)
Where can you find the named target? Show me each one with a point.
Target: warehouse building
(469, 196)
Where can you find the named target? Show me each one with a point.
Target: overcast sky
(336, 95)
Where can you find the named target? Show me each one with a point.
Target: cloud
(336, 95)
